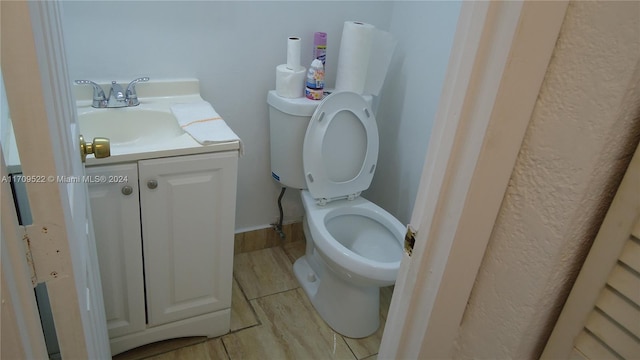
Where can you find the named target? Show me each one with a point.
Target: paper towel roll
(364, 58)
(290, 83)
(293, 53)
(353, 58)
(379, 61)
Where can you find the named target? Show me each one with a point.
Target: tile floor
(271, 318)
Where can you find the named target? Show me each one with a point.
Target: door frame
(39, 94)
(498, 61)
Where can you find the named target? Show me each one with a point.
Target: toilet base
(350, 310)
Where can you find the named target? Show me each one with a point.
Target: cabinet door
(188, 213)
(116, 221)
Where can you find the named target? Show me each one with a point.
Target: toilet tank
(288, 121)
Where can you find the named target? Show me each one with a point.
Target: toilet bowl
(354, 247)
(357, 239)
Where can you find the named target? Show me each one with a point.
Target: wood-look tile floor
(271, 318)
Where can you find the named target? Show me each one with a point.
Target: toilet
(329, 151)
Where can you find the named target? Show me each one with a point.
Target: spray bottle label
(320, 53)
(315, 75)
(320, 46)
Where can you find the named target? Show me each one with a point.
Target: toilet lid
(340, 147)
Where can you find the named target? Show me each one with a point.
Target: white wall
(233, 48)
(582, 134)
(409, 101)
(5, 121)
(7, 141)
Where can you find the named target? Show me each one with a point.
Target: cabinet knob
(127, 190)
(152, 184)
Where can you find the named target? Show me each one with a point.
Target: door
(188, 208)
(116, 219)
(473, 147)
(61, 239)
(601, 317)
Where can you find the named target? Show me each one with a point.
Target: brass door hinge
(409, 240)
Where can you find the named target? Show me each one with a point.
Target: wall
(582, 133)
(7, 140)
(409, 100)
(233, 48)
(5, 121)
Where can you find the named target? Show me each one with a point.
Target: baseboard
(267, 237)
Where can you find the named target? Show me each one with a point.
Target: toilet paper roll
(293, 53)
(364, 58)
(290, 83)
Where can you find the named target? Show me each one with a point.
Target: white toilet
(353, 246)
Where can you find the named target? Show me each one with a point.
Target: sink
(129, 126)
(146, 131)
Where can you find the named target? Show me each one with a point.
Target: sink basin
(148, 130)
(129, 126)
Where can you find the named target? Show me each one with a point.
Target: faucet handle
(99, 100)
(132, 97)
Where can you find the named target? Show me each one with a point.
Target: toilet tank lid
(299, 106)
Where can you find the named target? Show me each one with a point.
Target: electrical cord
(278, 226)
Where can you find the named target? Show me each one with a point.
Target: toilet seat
(340, 148)
(355, 266)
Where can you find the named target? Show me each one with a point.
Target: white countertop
(154, 96)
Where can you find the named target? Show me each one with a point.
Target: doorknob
(100, 148)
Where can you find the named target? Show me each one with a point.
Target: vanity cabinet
(165, 246)
(115, 210)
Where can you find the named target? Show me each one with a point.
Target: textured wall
(583, 130)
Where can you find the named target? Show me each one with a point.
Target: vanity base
(209, 325)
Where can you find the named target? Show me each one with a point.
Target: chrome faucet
(117, 96)
(131, 96)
